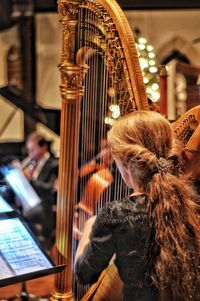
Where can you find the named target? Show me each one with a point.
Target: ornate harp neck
(96, 36)
(187, 130)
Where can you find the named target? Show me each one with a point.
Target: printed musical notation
(19, 253)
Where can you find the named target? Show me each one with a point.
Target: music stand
(25, 296)
(21, 256)
(20, 185)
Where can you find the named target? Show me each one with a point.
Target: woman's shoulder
(126, 209)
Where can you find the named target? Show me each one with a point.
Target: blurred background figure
(41, 169)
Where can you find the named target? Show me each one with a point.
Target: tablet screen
(21, 187)
(21, 257)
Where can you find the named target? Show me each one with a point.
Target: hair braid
(144, 142)
(174, 212)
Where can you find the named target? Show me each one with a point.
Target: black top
(43, 185)
(120, 228)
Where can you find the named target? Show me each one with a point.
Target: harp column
(71, 91)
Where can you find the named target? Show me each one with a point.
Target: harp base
(62, 296)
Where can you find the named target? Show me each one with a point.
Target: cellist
(99, 174)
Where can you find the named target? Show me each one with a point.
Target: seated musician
(96, 179)
(154, 233)
(41, 169)
(101, 160)
(100, 167)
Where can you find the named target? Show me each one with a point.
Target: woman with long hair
(155, 232)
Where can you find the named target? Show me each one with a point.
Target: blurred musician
(41, 169)
(96, 179)
(101, 160)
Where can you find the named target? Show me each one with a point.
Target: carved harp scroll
(187, 130)
(93, 31)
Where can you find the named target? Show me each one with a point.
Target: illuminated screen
(19, 252)
(21, 257)
(21, 187)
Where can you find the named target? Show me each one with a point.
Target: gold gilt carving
(89, 27)
(66, 8)
(72, 81)
(68, 12)
(71, 87)
(71, 74)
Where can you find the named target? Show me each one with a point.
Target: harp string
(96, 30)
(110, 81)
(93, 132)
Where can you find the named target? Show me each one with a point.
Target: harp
(187, 130)
(99, 71)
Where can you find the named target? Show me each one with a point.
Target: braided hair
(144, 142)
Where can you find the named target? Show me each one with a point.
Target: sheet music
(19, 253)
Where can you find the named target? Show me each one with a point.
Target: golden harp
(99, 71)
(187, 130)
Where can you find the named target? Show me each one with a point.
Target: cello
(94, 188)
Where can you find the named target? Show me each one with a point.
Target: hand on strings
(85, 236)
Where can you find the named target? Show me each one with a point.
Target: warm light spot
(141, 46)
(152, 62)
(143, 63)
(151, 55)
(149, 47)
(155, 86)
(146, 80)
(142, 40)
(153, 69)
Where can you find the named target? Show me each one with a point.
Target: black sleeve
(44, 184)
(97, 254)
